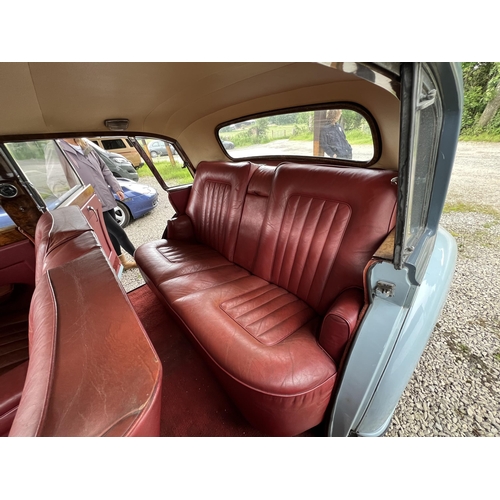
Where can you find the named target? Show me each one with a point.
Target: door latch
(384, 289)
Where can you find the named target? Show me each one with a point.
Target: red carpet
(193, 403)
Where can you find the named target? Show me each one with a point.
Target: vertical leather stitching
(298, 240)
(299, 285)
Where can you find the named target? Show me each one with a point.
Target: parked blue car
(139, 200)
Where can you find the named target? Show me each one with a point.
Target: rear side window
(47, 169)
(337, 133)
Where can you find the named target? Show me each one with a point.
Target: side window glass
(427, 123)
(47, 169)
(167, 161)
(336, 133)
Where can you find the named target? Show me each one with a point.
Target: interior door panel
(91, 208)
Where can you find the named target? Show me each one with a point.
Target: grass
(463, 207)
(276, 132)
(482, 137)
(463, 348)
(359, 137)
(173, 175)
(305, 136)
(454, 233)
(481, 234)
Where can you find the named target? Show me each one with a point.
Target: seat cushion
(178, 268)
(261, 342)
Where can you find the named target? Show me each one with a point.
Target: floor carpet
(193, 402)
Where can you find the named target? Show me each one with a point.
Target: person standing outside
(94, 171)
(332, 138)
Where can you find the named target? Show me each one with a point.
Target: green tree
(492, 98)
(481, 97)
(352, 120)
(261, 126)
(286, 119)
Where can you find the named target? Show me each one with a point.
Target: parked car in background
(139, 200)
(159, 148)
(120, 145)
(5, 220)
(118, 164)
(227, 144)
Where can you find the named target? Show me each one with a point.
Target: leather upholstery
(254, 302)
(216, 202)
(178, 197)
(17, 282)
(62, 238)
(254, 211)
(340, 323)
(323, 226)
(17, 263)
(92, 368)
(11, 389)
(180, 228)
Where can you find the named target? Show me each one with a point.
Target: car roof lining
(182, 101)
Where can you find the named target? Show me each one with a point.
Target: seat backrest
(92, 370)
(254, 211)
(61, 236)
(322, 226)
(216, 203)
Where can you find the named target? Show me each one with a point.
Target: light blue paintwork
(390, 342)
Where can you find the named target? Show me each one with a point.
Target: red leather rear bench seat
(92, 369)
(267, 277)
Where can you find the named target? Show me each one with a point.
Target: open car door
(28, 189)
(43, 173)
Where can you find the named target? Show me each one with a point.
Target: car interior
(253, 292)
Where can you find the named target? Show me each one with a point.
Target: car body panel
(139, 198)
(423, 314)
(369, 393)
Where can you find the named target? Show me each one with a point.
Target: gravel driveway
(455, 390)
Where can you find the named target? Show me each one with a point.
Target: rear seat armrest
(178, 197)
(340, 322)
(180, 228)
